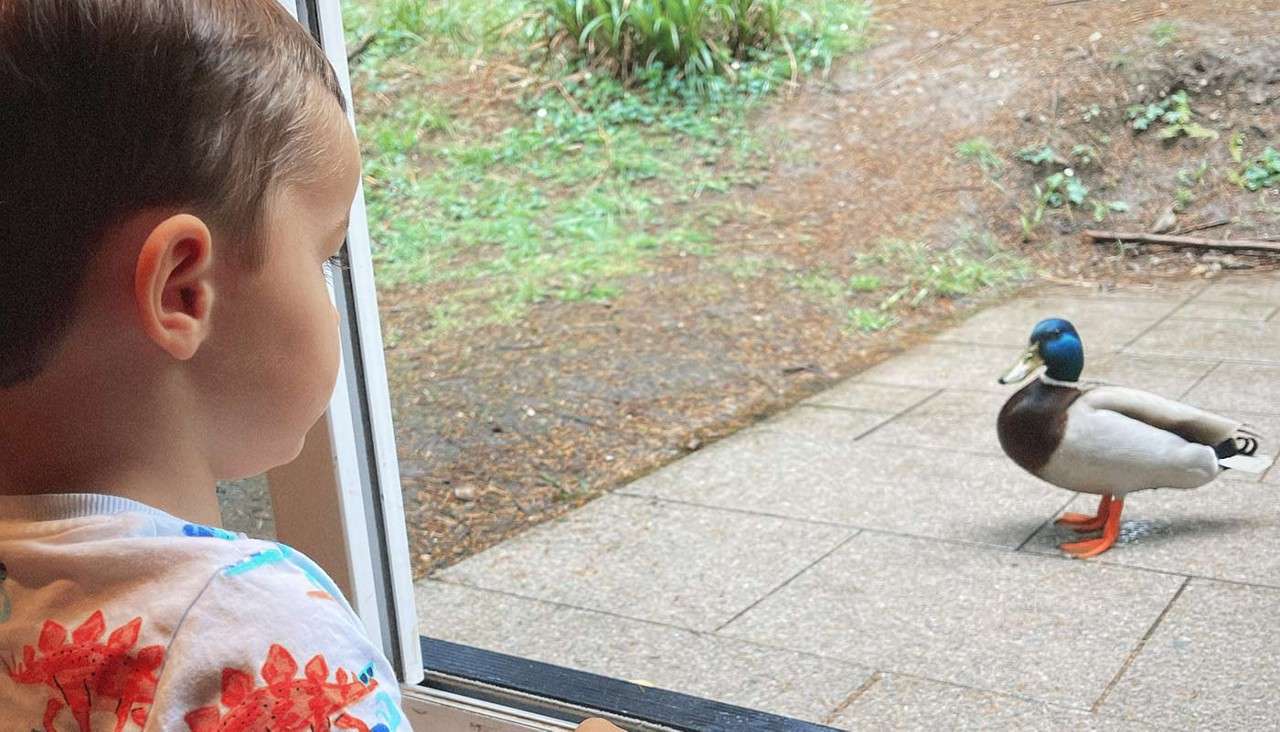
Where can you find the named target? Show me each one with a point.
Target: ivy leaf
(1076, 191)
(1038, 157)
(1119, 206)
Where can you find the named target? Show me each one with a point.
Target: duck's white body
(1120, 440)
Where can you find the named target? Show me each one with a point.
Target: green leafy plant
(1041, 156)
(1086, 154)
(1258, 173)
(1101, 208)
(1174, 111)
(1062, 189)
(1263, 172)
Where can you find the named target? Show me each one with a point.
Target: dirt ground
(501, 428)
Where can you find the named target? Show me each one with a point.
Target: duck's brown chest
(1032, 422)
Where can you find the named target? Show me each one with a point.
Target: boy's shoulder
(203, 619)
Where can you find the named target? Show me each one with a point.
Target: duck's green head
(1054, 343)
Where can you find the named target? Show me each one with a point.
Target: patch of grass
(452, 28)
(748, 268)
(591, 177)
(981, 151)
(1163, 33)
(695, 37)
(820, 284)
(869, 321)
(865, 283)
(918, 272)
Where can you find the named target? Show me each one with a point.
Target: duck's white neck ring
(1045, 378)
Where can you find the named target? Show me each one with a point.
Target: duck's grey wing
(1188, 422)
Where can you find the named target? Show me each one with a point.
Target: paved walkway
(871, 559)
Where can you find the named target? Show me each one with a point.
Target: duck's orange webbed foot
(1083, 522)
(1110, 532)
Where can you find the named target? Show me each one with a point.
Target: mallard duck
(1109, 440)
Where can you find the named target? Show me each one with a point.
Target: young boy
(174, 176)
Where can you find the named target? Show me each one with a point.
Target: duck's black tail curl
(1236, 446)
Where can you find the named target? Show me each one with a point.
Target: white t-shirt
(117, 616)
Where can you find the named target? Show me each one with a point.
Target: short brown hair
(110, 107)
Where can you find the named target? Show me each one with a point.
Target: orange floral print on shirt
(83, 671)
(285, 703)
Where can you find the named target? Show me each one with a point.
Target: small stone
(529, 411)
(464, 493)
(693, 444)
(934, 34)
(1095, 36)
(994, 73)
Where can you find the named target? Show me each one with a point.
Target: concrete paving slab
(1050, 629)
(1223, 530)
(1239, 340)
(783, 682)
(832, 423)
(903, 702)
(937, 365)
(870, 396)
(955, 419)
(1164, 376)
(1170, 290)
(679, 564)
(1239, 387)
(1200, 309)
(944, 494)
(1104, 325)
(1212, 663)
(1245, 289)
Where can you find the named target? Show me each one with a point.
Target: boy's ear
(172, 284)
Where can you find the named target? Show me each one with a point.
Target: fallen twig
(1237, 245)
(1213, 224)
(1051, 3)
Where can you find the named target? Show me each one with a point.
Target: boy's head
(173, 176)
